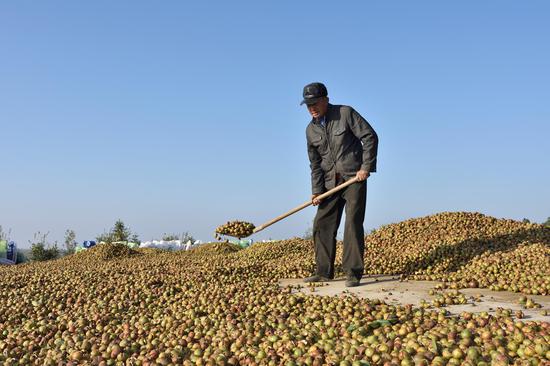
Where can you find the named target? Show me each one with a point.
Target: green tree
(38, 252)
(41, 249)
(119, 232)
(70, 242)
(526, 221)
(547, 223)
(134, 239)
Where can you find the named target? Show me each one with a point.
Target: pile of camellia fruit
(222, 305)
(237, 229)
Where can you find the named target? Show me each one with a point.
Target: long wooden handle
(305, 204)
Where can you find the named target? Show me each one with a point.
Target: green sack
(245, 243)
(3, 249)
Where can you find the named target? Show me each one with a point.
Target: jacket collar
(327, 115)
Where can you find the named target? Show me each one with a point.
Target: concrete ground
(393, 291)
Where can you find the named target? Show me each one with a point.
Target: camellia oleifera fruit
(219, 304)
(464, 250)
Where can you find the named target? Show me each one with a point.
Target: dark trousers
(325, 227)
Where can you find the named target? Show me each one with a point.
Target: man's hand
(362, 175)
(314, 200)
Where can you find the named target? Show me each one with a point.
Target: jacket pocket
(320, 144)
(339, 131)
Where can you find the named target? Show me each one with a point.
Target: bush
(21, 257)
(40, 253)
(41, 250)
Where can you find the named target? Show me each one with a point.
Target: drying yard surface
(392, 290)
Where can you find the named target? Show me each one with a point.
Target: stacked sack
(171, 245)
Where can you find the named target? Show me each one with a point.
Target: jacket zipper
(330, 148)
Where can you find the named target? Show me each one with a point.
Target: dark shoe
(316, 278)
(352, 281)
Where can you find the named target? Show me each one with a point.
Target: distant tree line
(42, 249)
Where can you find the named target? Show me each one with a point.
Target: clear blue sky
(177, 116)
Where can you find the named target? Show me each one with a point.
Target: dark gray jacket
(344, 146)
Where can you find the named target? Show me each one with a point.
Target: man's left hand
(362, 175)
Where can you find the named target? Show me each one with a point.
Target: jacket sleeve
(317, 174)
(369, 139)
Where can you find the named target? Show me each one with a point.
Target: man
(341, 145)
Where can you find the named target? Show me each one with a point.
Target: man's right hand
(314, 200)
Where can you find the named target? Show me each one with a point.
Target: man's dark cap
(313, 92)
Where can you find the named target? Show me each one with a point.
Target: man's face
(318, 109)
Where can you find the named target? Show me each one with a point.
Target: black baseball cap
(313, 92)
